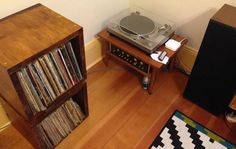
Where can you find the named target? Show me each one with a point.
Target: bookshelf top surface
(31, 31)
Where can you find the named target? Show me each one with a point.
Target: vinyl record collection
(60, 123)
(44, 79)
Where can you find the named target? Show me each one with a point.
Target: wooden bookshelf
(42, 71)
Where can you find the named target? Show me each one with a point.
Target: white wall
(88, 13)
(191, 16)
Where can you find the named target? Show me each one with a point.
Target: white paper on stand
(155, 56)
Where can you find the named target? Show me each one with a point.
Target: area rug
(181, 132)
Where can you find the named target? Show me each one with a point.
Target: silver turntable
(141, 29)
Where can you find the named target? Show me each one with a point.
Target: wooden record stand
(109, 41)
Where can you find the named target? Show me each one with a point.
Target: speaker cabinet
(212, 83)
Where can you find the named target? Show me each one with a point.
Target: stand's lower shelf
(133, 57)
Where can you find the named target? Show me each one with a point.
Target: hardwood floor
(123, 115)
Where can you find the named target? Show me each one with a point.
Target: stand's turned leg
(105, 50)
(152, 80)
(172, 63)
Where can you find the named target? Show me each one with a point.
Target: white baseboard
(185, 58)
(5, 125)
(93, 53)
(4, 121)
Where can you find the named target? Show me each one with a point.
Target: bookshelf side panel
(8, 92)
(29, 132)
(82, 99)
(78, 46)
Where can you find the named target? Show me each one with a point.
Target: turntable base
(131, 56)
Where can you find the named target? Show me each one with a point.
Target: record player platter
(141, 30)
(137, 24)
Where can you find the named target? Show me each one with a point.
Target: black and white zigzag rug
(180, 132)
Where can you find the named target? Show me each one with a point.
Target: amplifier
(140, 65)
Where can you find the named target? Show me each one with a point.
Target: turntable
(141, 29)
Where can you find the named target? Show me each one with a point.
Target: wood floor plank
(100, 102)
(153, 108)
(123, 115)
(10, 138)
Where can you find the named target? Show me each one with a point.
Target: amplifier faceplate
(129, 59)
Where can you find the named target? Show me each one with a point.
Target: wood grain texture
(7, 89)
(109, 40)
(23, 35)
(123, 115)
(145, 57)
(26, 35)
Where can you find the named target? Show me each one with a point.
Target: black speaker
(212, 83)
